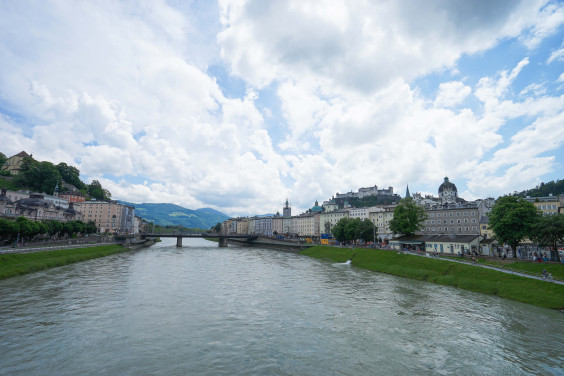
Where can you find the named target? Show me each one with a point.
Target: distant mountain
(175, 215)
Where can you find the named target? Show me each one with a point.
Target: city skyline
(239, 105)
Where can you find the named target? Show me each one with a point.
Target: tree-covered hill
(43, 177)
(545, 189)
(175, 215)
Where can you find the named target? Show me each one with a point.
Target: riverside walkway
(508, 271)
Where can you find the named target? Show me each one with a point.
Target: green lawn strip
(14, 264)
(531, 267)
(468, 277)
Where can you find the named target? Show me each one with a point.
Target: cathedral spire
(407, 192)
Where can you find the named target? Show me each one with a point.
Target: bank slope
(14, 264)
(467, 277)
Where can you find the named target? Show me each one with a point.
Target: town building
(109, 216)
(547, 205)
(330, 205)
(365, 192)
(71, 196)
(277, 224)
(381, 216)
(14, 164)
(450, 244)
(263, 226)
(450, 214)
(34, 207)
(329, 219)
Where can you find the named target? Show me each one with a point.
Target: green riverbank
(14, 264)
(467, 277)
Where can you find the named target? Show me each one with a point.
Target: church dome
(447, 185)
(34, 200)
(316, 208)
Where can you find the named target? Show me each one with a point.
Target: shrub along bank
(14, 264)
(468, 277)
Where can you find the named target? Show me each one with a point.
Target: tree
(3, 159)
(367, 230)
(549, 231)
(70, 175)
(217, 227)
(91, 227)
(512, 219)
(38, 176)
(349, 229)
(408, 217)
(8, 229)
(339, 230)
(95, 190)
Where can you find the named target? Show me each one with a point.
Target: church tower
(448, 194)
(287, 210)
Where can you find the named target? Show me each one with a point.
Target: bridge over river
(179, 236)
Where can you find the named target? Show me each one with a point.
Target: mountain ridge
(167, 214)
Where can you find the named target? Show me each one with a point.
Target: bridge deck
(184, 235)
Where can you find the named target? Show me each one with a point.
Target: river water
(205, 310)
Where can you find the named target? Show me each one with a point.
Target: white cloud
(365, 45)
(451, 94)
(121, 91)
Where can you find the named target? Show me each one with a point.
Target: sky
(239, 105)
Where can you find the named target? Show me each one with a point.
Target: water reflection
(212, 311)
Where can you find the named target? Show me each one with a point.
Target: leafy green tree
(367, 230)
(27, 228)
(350, 229)
(3, 159)
(8, 229)
(96, 190)
(70, 175)
(217, 227)
(408, 217)
(339, 230)
(512, 219)
(91, 227)
(38, 176)
(549, 232)
(53, 227)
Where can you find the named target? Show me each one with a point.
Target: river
(205, 310)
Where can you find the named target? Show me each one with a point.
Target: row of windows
(547, 207)
(452, 221)
(450, 214)
(467, 228)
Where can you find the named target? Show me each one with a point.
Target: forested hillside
(545, 189)
(43, 177)
(175, 215)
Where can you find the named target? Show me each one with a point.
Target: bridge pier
(179, 241)
(222, 242)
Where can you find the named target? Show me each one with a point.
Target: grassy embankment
(468, 277)
(14, 264)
